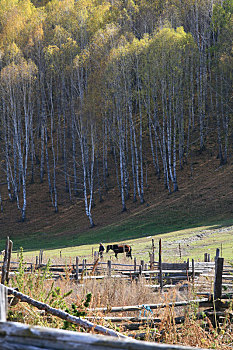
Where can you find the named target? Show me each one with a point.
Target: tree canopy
(93, 87)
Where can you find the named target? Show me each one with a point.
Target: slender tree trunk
(53, 151)
(98, 178)
(164, 147)
(105, 163)
(7, 141)
(132, 158)
(74, 146)
(47, 162)
(175, 185)
(63, 110)
(220, 155)
(141, 196)
(82, 135)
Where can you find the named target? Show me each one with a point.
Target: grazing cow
(120, 248)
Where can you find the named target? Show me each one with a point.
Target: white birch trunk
(81, 135)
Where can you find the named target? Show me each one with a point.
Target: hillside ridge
(207, 195)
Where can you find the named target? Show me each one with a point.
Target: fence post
(150, 258)
(36, 262)
(135, 264)
(206, 257)
(109, 268)
(187, 264)
(217, 254)
(153, 246)
(180, 251)
(4, 265)
(153, 254)
(9, 260)
(160, 265)
(193, 270)
(153, 251)
(76, 267)
(218, 278)
(40, 257)
(142, 264)
(3, 303)
(96, 255)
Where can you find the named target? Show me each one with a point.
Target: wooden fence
(168, 275)
(16, 336)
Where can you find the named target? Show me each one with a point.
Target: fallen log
(64, 315)
(121, 319)
(157, 286)
(156, 272)
(201, 302)
(134, 323)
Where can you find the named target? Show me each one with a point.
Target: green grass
(138, 231)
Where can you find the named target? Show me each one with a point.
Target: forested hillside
(103, 98)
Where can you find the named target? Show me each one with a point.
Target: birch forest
(95, 92)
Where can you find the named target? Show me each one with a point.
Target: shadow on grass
(132, 228)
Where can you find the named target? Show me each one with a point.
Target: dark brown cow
(120, 248)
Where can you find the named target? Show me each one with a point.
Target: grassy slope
(203, 200)
(191, 245)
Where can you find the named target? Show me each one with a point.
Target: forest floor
(199, 216)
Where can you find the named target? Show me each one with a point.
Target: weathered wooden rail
(16, 336)
(200, 302)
